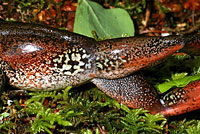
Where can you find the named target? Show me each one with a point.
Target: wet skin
(39, 58)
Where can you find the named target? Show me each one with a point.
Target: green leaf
(5, 114)
(86, 131)
(178, 76)
(91, 16)
(177, 83)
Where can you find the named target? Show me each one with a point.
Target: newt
(40, 58)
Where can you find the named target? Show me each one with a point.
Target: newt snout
(37, 57)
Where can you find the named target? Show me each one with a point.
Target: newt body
(39, 58)
(36, 57)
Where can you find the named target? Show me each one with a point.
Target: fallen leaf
(41, 15)
(52, 11)
(69, 6)
(192, 4)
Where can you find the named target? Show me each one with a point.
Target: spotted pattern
(174, 97)
(34, 61)
(133, 91)
(120, 57)
(182, 100)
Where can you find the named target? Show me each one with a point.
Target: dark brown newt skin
(36, 57)
(116, 58)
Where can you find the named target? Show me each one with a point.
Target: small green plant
(139, 121)
(185, 127)
(45, 119)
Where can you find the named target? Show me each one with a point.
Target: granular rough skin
(182, 100)
(36, 57)
(120, 57)
(133, 91)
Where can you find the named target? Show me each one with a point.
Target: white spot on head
(29, 47)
